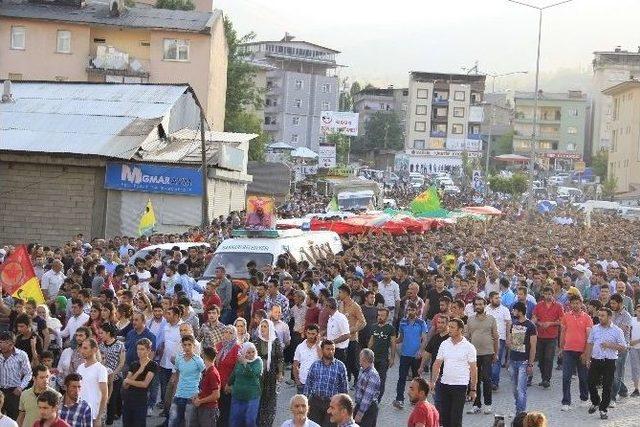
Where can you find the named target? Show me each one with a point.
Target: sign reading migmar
(153, 179)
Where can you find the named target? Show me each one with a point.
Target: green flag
(427, 201)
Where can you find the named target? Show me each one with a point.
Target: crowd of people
(454, 310)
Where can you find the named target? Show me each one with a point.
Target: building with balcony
(369, 101)
(610, 68)
(498, 117)
(624, 151)
(560, 129)
(302, 85)
(72, 40)
(443, 120)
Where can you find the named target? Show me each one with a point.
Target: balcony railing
(440, 102)
(475, 136)
(111, 61)
(438, 134)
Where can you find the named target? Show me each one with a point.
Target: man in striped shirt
(15, 373)
(367, 391)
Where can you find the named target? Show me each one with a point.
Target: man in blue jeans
(412, 333)
(622, 319)
(187, 372)
(522, 353)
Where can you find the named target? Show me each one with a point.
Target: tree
(609, 186)
(355, 88)
(242, 93)
(467, 169)
(517, 184)
(383, 130)
(342, 143)
(241, 88)
(345, 103)
(503, 145)
(599, 164)
(175, 4)
(246, 122)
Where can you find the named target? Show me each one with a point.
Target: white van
(235, 253)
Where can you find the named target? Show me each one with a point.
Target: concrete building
(562, 119)
(367, 102)
(497, 118)
(86, 157)
(79, 41)
(624, 152)
(443, 120)
(303, 86)
(609, 69)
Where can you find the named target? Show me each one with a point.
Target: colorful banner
(260, 213)
(147, 220)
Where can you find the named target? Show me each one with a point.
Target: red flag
(16, 270)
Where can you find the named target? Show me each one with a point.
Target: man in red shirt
(211, 297)
(547, 316)
(424, 414)
(576, 325)
(313, 311)
(48, 406)
(206, 410)
(261, 292)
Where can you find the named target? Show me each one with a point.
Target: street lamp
(535, 94)
(493, 76)
(491, 121)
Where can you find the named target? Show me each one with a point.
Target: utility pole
(534, 135)
(205, 179)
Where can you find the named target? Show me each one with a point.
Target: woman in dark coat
(270, 351)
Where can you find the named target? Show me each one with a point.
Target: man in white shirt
(94, 382)
(52, 280)
(169, 348)
(337, 329)
(460, 371)
(307, 352)
(503, 322)
(78, 318)
(390, 291)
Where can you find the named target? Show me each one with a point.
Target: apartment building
(560, 132)
(444, 117)
(610, 68)
(303, 85)
(498, 116)
(624, 151)
(72, 40)
(369, 101)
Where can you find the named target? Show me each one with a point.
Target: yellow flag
(30, 290)
(147, 220)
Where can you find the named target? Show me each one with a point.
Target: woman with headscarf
(241, 327)
(270, 351)
(226, 357)
(244, 384)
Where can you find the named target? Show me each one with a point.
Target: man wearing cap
(582, 282)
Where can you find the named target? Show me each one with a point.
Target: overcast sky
(382, 41)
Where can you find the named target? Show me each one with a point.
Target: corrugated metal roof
(214, 136)
(110, 120)
(184, 146)
(98, 13)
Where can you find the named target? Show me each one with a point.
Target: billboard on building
(327, 156)
(342, 122)
(153, 179)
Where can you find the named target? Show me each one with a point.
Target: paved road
(626, 414)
